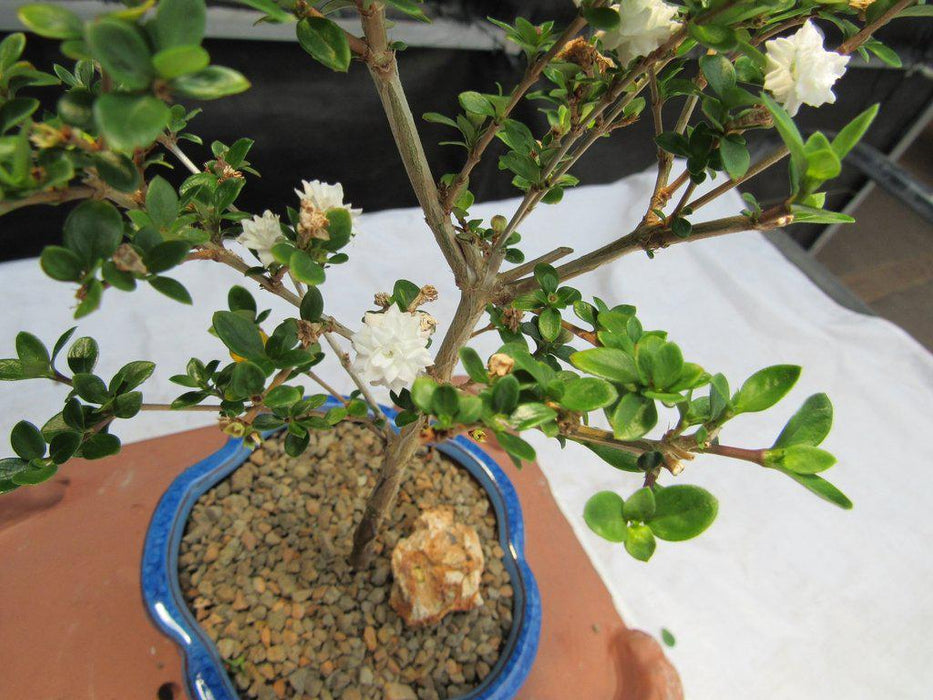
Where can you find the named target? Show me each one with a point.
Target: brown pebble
(369, 637)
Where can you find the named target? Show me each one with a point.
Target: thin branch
(531, 76)
(172, 146)
(650, 238)
(49, 197)
(357, 45)
(169, 407)
(360, 384)
(217, 253)
(384, 70)
(326, 387)
(754, 170)
(525, 268)
(856, 41)
(756, 456)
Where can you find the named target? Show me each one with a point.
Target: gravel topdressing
(263, 566)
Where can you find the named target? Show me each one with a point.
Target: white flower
(801, 71)
(261, 233)
(391, 348)
(645, 25)
(323, 196)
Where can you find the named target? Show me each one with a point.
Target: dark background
(311, 123)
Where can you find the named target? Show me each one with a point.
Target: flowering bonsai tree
(728, 69)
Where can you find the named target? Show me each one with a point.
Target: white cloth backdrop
(785, 596)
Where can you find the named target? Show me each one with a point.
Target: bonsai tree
(728, 68)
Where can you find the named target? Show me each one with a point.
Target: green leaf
(127, 405)
(11, 370)
(640, 542)
(51, 21)
(179, 23)
(620, 459)
(246, 380)
(853, 132)
(609, 363)
(76, 107)
(445, 403)
(90, 388)
(211, 83)
(275, 13)
(713, 36)
(11, 48)
(799, 459)
(180, 60)
(117, 170)
(312, 305)
(33, 355)
(100, 445)
(718, 71)
(765, 388)
(667, 637)
(93, 291)
(633, 417)
(121, 49)
(667, 362)
(792, 139)
(173, 289)
(505, 394)
(93, 231)
(61, 342)
(809, 425)
(531, 415)
(547, 277)
(474, 365)
(822, 162)
(282, 396)
(35, 475)
(812, 215)
(549, 324)
(409, 7)
(63, 446)
(82, 355)
(239, 335)
(587, 394)
(404, 292)
(166, 255)
(339, 228)
(325, 41)
(61, 264)
(682, 512)
(27, 441)
(128, 122)
(735, 156)
(422, 391)
(161, 202)
(305, 269)
(640, 505)
(10, 467)
(821, 488)
(602, 17)
(475, 103)
(131, 375)
(517, 448)
(603, 514)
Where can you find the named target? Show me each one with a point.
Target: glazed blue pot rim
(205, 675)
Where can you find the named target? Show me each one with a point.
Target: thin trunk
(401, 449)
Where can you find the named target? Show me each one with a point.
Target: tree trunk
(402, 448)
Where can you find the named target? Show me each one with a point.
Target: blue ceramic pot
(204, 671)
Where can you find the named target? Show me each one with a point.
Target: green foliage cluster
(122, 109)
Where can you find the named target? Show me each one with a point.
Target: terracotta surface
(73, 626)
